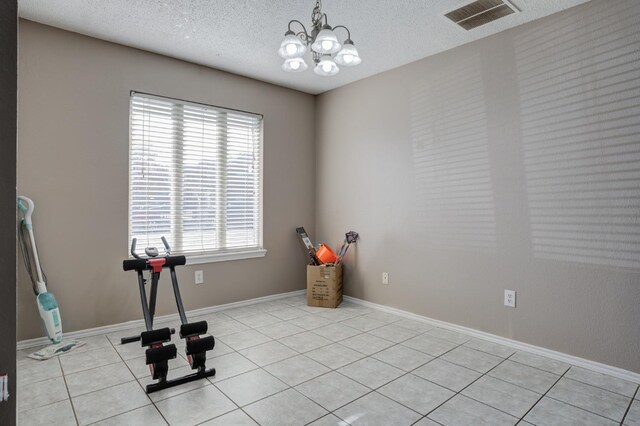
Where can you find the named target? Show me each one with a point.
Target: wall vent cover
(481, 12)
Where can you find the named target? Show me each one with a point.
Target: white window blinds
(194, 176)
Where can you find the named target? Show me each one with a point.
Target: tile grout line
(461, 390)
(248, 415)
(371, 355)
(573, 360)
(582, 409)
(87, 351)
(565, 402)
(320, 418)
(589, 411)
(75, 416)
(540, 369)
(315, 377)
(600, 387)
(139, 384)
(312, 331)
(109, 387)
(229, 398)
(397, 378)
(119, 414)
(365, 356)
(543, 395)
(64, 378)
(399, 343)
(427, 418)
(515, 384)
(633, 398)
(43, 405)
(121, 359)
(289, 387)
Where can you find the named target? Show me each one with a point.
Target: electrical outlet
(199, 277)
(510, 298)
(385, 278)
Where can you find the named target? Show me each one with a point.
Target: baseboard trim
(41, 341)
(569, 359)
(559, 356)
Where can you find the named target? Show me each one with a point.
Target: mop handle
(26, 206)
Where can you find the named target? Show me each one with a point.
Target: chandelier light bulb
(291, 46)
(326, 41)
(326, 67)
(294, 65)
(291, 49)
(327, 45)
(348, 56)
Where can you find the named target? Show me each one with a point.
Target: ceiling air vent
(481, 12)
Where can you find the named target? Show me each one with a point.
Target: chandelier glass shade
(291, 46)
(294, 65)
(326, 67)
(326, 41)
(348, 55)
(326, 50)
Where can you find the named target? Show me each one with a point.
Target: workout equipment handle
(142, 264)
(133, 249)
(167, 248)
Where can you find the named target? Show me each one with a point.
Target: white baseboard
(559, 356)
(41, 341)
(569, 359)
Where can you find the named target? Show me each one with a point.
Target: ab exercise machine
(159, 350)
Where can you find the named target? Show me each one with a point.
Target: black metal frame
(148, 311)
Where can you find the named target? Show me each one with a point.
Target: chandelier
(327, 53)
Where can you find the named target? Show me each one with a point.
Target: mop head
(56, 349)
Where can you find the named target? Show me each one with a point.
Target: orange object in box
(326, 255)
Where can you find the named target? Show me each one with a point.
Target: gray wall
(509, 163)
(8, 87)
(73, 162)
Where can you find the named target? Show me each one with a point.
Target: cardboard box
(324, 286)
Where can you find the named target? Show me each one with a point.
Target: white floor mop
(47, 305)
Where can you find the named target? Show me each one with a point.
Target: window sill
(223, 257)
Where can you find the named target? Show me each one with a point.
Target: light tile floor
(285, 363)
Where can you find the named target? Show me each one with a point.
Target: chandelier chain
(316, 15)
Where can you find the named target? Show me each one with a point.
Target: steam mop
(47, 305)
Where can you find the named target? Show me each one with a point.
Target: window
(195, 177)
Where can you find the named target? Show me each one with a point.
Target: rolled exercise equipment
(159, 350)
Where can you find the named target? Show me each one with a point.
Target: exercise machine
(46, 302)
(159, 349)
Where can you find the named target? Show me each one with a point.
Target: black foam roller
(142, 264)
(161, 353)
(193, 329)
(197, 346)
(148, 338)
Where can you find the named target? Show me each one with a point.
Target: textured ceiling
(242, 36)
